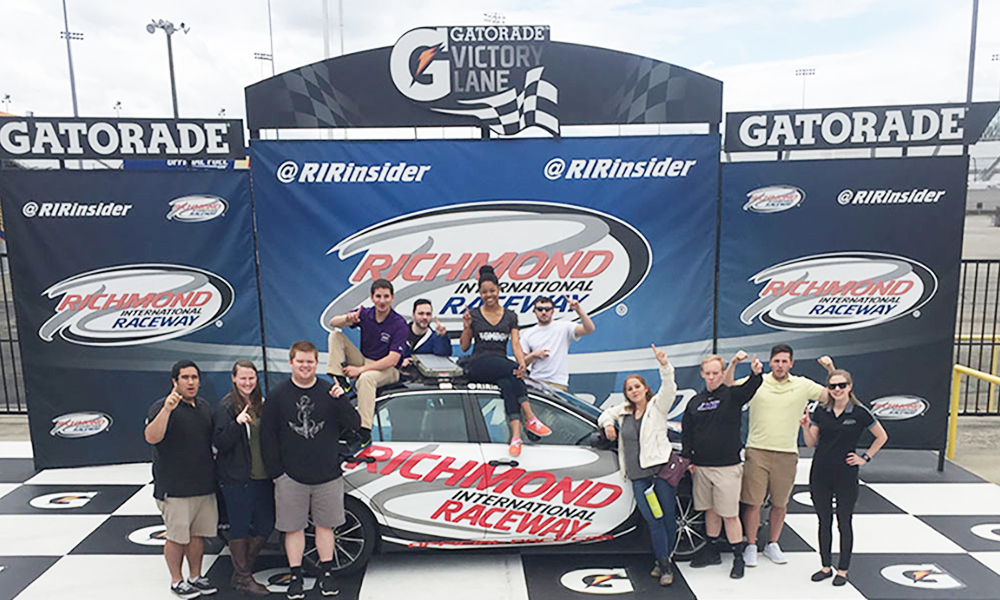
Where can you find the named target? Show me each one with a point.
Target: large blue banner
(624, 225)
(858, 259)
(116, 276)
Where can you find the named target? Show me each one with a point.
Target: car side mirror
(598, 441)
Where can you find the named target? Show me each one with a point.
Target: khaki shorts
(294, 502)
(718, 488)
(768, 472)
(194, 516)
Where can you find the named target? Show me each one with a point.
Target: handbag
(674, 469)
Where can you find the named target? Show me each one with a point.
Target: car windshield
(586, 408)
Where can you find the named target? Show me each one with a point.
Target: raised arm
(668, 386)
(465, 341)
(347, 319)
(728, 378)
(810, 433)
(586, 326)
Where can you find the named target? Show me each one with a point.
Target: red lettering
(486, 515)
(92, 303)
(486, 478)
(793, 287)
(510, 516)
(407, 470)
(396, 461)
(445, 467)
(562, 267)
(835, 289)
(536, 255)
(372, 265)
(576, 527)
(115, 302)
(565, 486)
(441, 264)
(182, 299)
(134, 301)
(816, 288)
(548, 480)
(408, 274)
(534, 524)
(773, 288)
(863, 287)
(69, 301)
(881, 287)
(581, 269)
(901, 283)
(397, 267)
(588, 499)
(449, 508)
(558, 528)
(472, 515)
(200, 299)
(379, 453)
(162, 299)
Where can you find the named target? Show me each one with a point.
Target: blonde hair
(850, 380)
(710, 358)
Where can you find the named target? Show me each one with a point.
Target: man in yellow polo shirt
(772, 451)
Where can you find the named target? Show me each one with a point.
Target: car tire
(690, 524)
(354, 541)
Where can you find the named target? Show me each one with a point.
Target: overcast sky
(865, 52)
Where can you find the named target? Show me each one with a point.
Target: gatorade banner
(116, 276)
(624, 225)
(858, 259)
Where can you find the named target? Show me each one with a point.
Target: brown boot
(242, 579)
(253, 550)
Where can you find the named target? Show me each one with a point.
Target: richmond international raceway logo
(492, 73)
(899, 408)
(80, 425)
(197, 208)
(774, 198)
(558, 251)
(135, 304)
(831, 292)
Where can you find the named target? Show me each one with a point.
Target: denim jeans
(662, 531)
(250, 507)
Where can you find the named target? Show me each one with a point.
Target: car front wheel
(354, 541)
(690, 527)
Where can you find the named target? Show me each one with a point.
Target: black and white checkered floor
(918, 534)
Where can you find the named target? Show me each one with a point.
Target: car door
(559, 490)
(422, 452)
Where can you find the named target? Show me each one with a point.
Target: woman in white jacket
(643, 447)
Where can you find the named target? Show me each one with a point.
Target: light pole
(169, 29)
(803, 73)
(70, 36)
(6, 103)
(118, 109)
(222, 113)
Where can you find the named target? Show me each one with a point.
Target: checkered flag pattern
(313, 101)
(509, 112)
(648, 93)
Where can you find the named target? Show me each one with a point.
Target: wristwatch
(865, 456)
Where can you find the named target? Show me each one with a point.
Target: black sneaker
(204, 587)
(327, 585)
(737, 571)
(708, 555)
(183, 589)
(366, 438)
(295, 591)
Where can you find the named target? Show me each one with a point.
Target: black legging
(825, 484)
(494, 368)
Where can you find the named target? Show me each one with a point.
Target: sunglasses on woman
(842, 385)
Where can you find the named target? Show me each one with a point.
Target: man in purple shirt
(383, 341)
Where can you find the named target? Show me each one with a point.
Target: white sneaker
(750, 555)
(773, 551)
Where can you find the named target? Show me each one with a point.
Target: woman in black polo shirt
(246, 487)
(834, 428)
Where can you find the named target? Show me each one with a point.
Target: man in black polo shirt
(179, 427)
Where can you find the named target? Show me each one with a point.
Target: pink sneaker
(515, 447)
(537, 427)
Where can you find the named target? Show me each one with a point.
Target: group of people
(711, 447)
(262, 454)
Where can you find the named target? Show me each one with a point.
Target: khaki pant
(342, 350)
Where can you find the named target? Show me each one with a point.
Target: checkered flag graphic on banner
(509, 112)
